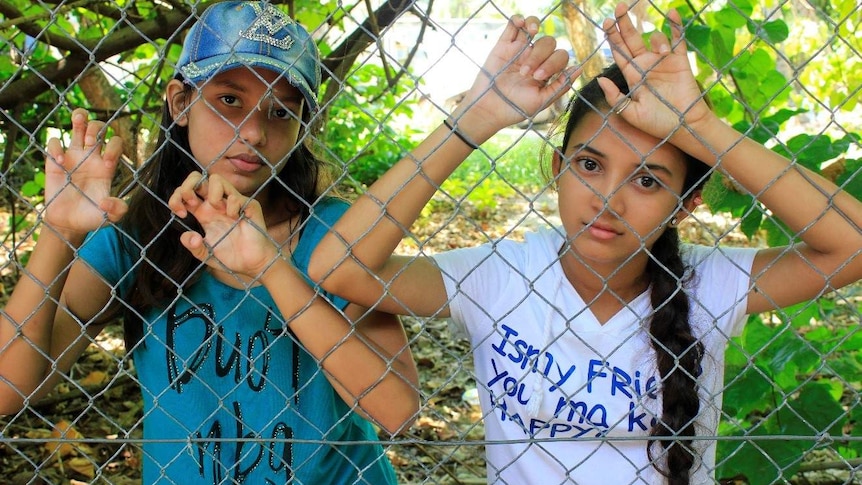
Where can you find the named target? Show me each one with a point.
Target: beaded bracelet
(461, 136)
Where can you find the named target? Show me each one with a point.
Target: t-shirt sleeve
(470, 276)
(722, 279)
(323, 216)
(103, 252)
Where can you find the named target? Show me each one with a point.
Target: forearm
(826, 218)
(380, 386)
(378, 220)
(27, 322)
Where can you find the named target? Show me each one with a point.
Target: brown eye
(647, 182)
(230, 100)
(285, 112)
(588, 164)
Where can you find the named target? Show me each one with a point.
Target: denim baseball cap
(252, 34)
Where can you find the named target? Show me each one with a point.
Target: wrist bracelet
(461, 136)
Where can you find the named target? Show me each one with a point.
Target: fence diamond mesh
(230, 380)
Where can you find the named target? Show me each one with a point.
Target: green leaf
(802, 314)
(750, 223)
(6, 67)
(721, 198)
(699, 36)
(747, 392)
(745, 7)
(725, 106)
(777, 233)
(750, 458)
(775, 31)
(722, 42)
(792, 359)
(812, 150)
(730, 17)
(773, 87)
(782, 115)
(847, 367)
(33, 188)
(761, 132)
(851, 179)
(816, 410)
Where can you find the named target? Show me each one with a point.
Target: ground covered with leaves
(79, 434)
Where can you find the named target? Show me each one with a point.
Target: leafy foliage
(361, 132)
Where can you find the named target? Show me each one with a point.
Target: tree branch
(343, 56)
(38, 79)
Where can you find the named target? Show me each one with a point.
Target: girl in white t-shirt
(599, 345)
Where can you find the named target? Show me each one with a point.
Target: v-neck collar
(569, 302)
(583, 318)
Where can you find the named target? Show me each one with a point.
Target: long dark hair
(152, 233)
(678, 352)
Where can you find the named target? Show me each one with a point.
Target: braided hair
(678, 352)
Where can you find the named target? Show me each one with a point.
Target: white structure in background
(451, 53)
(449, 57)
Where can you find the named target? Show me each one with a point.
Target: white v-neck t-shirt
(565, 398)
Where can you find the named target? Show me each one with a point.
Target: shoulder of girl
(329, 205)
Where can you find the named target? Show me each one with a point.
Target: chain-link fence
(125, 390)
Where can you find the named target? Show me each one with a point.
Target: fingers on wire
(521, 29)
(677, 44)
(514, 29)
(89, 136)
(114, 207)
(544, 59)
(235, 205)
(79, 128)
(530, 27)
(94, 134)
(659, 43)
(215, 191)
(251, 210)
(194, 242)
(614, 96)
(619, 50)
(185, 196)
(113, 151)
(85, 134)
(54, 152)
(626, 42)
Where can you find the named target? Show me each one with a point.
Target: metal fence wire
(245, 401)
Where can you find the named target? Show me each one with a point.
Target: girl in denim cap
(599, 345)
(247, 375)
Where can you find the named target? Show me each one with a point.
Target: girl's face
(242, 124)
(618, 188)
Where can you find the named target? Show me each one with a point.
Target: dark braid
(679, 356)
(679, 353)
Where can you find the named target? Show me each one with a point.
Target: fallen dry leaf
(94, 378)
(83, 466)
(65, 432)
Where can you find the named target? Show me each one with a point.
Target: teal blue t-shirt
(230, 395)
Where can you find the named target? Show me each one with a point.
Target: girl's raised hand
(235, 237)
(520, 77)
(78, 178)
(663, 88)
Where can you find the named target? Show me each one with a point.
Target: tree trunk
(582, 34)
(581, 23)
